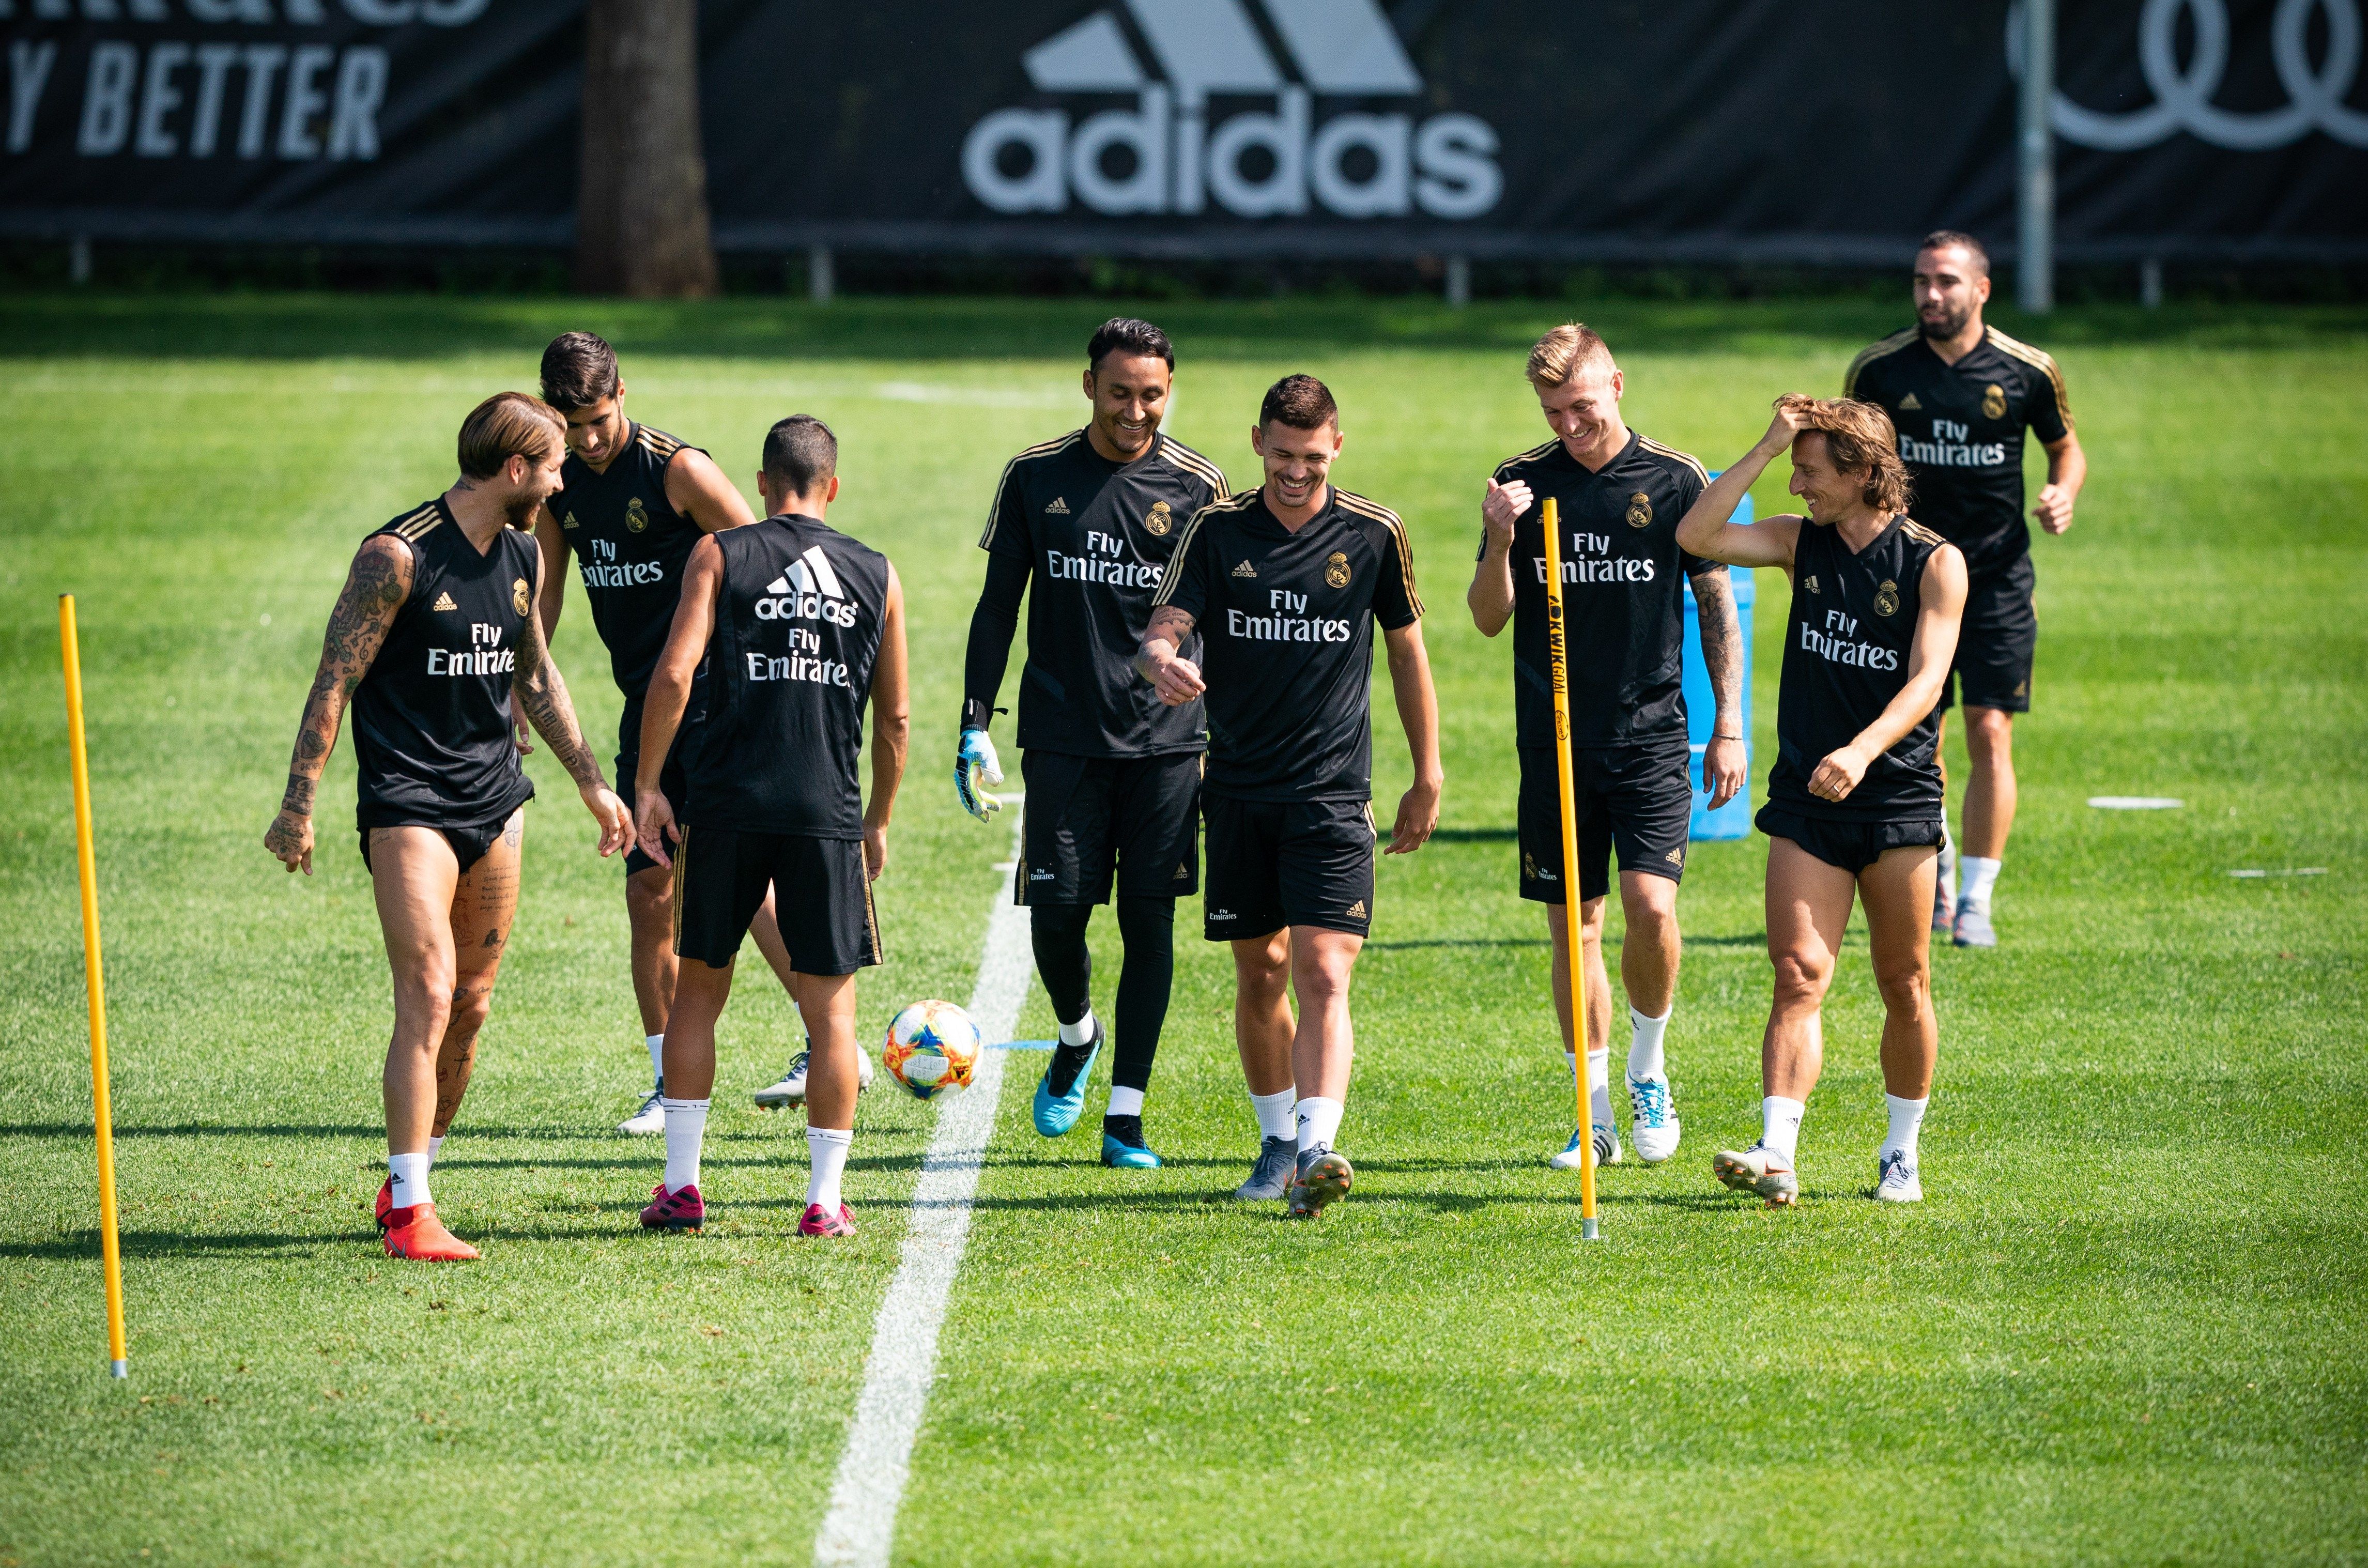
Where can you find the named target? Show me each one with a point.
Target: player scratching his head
(1962, 395)
(1083, 526)
(632, 503)
(431, 641)
(1854, 800)
(1285, 584)
(1620, 496)
(799, 627)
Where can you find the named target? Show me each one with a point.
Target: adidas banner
(1825, 130)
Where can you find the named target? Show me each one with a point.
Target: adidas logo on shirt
(1059, 508)
(444, 601)
(1908, 405)
(1246, 570)
(809, 590)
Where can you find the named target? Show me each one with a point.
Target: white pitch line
(861, 1525)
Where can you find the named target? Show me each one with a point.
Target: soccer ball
(932, 1049)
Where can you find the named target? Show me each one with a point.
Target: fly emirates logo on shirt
(1833, 642)
(484, 655)
(1952, 445)
(1590, 560)
(1288, 621)
(1107, 563)
(601, 569)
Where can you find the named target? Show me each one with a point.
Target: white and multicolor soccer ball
(933, 1050)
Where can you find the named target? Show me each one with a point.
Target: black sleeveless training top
(797, 632)
(1852, 623)
(431, 717)
(631, 546)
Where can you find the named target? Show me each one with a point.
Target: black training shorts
(1639, 798)
(671, 778)
(470, 842)
(1852, 846)
(1278, 863)
(1998, 642)
(1089, 818)
(821, 896)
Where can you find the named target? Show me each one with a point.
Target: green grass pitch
(2126, 1326)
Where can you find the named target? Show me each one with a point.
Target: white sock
(435, 1147)
(1080, 1031)
(1125, 1101)
(1319, 1121)
(1947, 868)
(1274, 1113)
(826, 1150)
(1598, 1085)
(1981, 875)
(686, 1128)
(409, 1174)
(1645, 1059)
(1906, 1119)
(657, 1043)
(1779, 1126)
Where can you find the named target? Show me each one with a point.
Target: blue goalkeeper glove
(975, 760)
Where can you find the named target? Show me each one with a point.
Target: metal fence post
(2036, 255)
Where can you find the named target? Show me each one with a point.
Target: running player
(799, 627)
(1286, 582)
(1113, 776)
(1621, 497)
(1962, 396)
(1854, 800)
(430, 640)
(633, 501)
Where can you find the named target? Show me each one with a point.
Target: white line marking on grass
(2137, 803)
(861, 1525)
(2294, 871)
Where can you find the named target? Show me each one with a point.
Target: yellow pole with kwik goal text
(1558, 660)
(95, 979)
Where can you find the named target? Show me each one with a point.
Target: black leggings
(1065, 964)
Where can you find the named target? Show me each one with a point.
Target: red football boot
(684, 1210)
(820, 1221)
(385, 1201)
(417, 1232)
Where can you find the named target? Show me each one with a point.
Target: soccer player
(1854, 800)
(633, 501)
(432, 638)
(799, 627)
(1621, 497)
(1962, 396)
(1084, 524)
(1285, 583)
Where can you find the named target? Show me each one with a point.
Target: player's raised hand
(1417, 818)
(974, 761)
(2053, 511)
(1501, 507)
(290, 836)
(1838, 774)
(654, 826)
(1177, 681)
(616, 821)
(1785, 424)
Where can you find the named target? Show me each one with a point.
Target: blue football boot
(1055, 1114)
(1125, 1150)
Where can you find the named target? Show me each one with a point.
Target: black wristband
(975, 713)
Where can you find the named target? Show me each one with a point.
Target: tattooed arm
(375, 588)
(541, 693)
(1177, 680)
(1725, 772)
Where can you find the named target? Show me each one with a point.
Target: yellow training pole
(1558, 659)
(120, 1363)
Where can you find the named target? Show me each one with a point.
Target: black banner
(1712, 130)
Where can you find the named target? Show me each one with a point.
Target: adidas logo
(569, 522)
(1810, 582)
(1908, 405)
(1246, 570)
(1172, 57)
(809, 573)
(1357, 910)
(809, 590)
(1183, 873)
(1059, 508)
(444, 601)
(1675, 857)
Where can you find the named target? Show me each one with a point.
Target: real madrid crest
(1158, 522)
(1640, 510)
(1994, 402)
(1886, 599)
(1336, 569)
(518, 596)
(637, 517)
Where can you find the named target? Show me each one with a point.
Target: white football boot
(1607, 1149)
(1653, 1119)
(651, 1118)
(1895, 1180)
(1759, 1170)
(791, 1088)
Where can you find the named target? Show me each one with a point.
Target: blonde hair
(1858, 435)
(504, 425)
(1566, 350)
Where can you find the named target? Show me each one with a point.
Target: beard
(518, 510)
(1947, 324)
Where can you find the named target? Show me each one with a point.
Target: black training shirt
(1093, 536)
(631, 546)
(1286, 623)
(1622, 594)
(1961, 429)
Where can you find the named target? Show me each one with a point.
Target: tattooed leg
(414, 877)
(484, 907)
